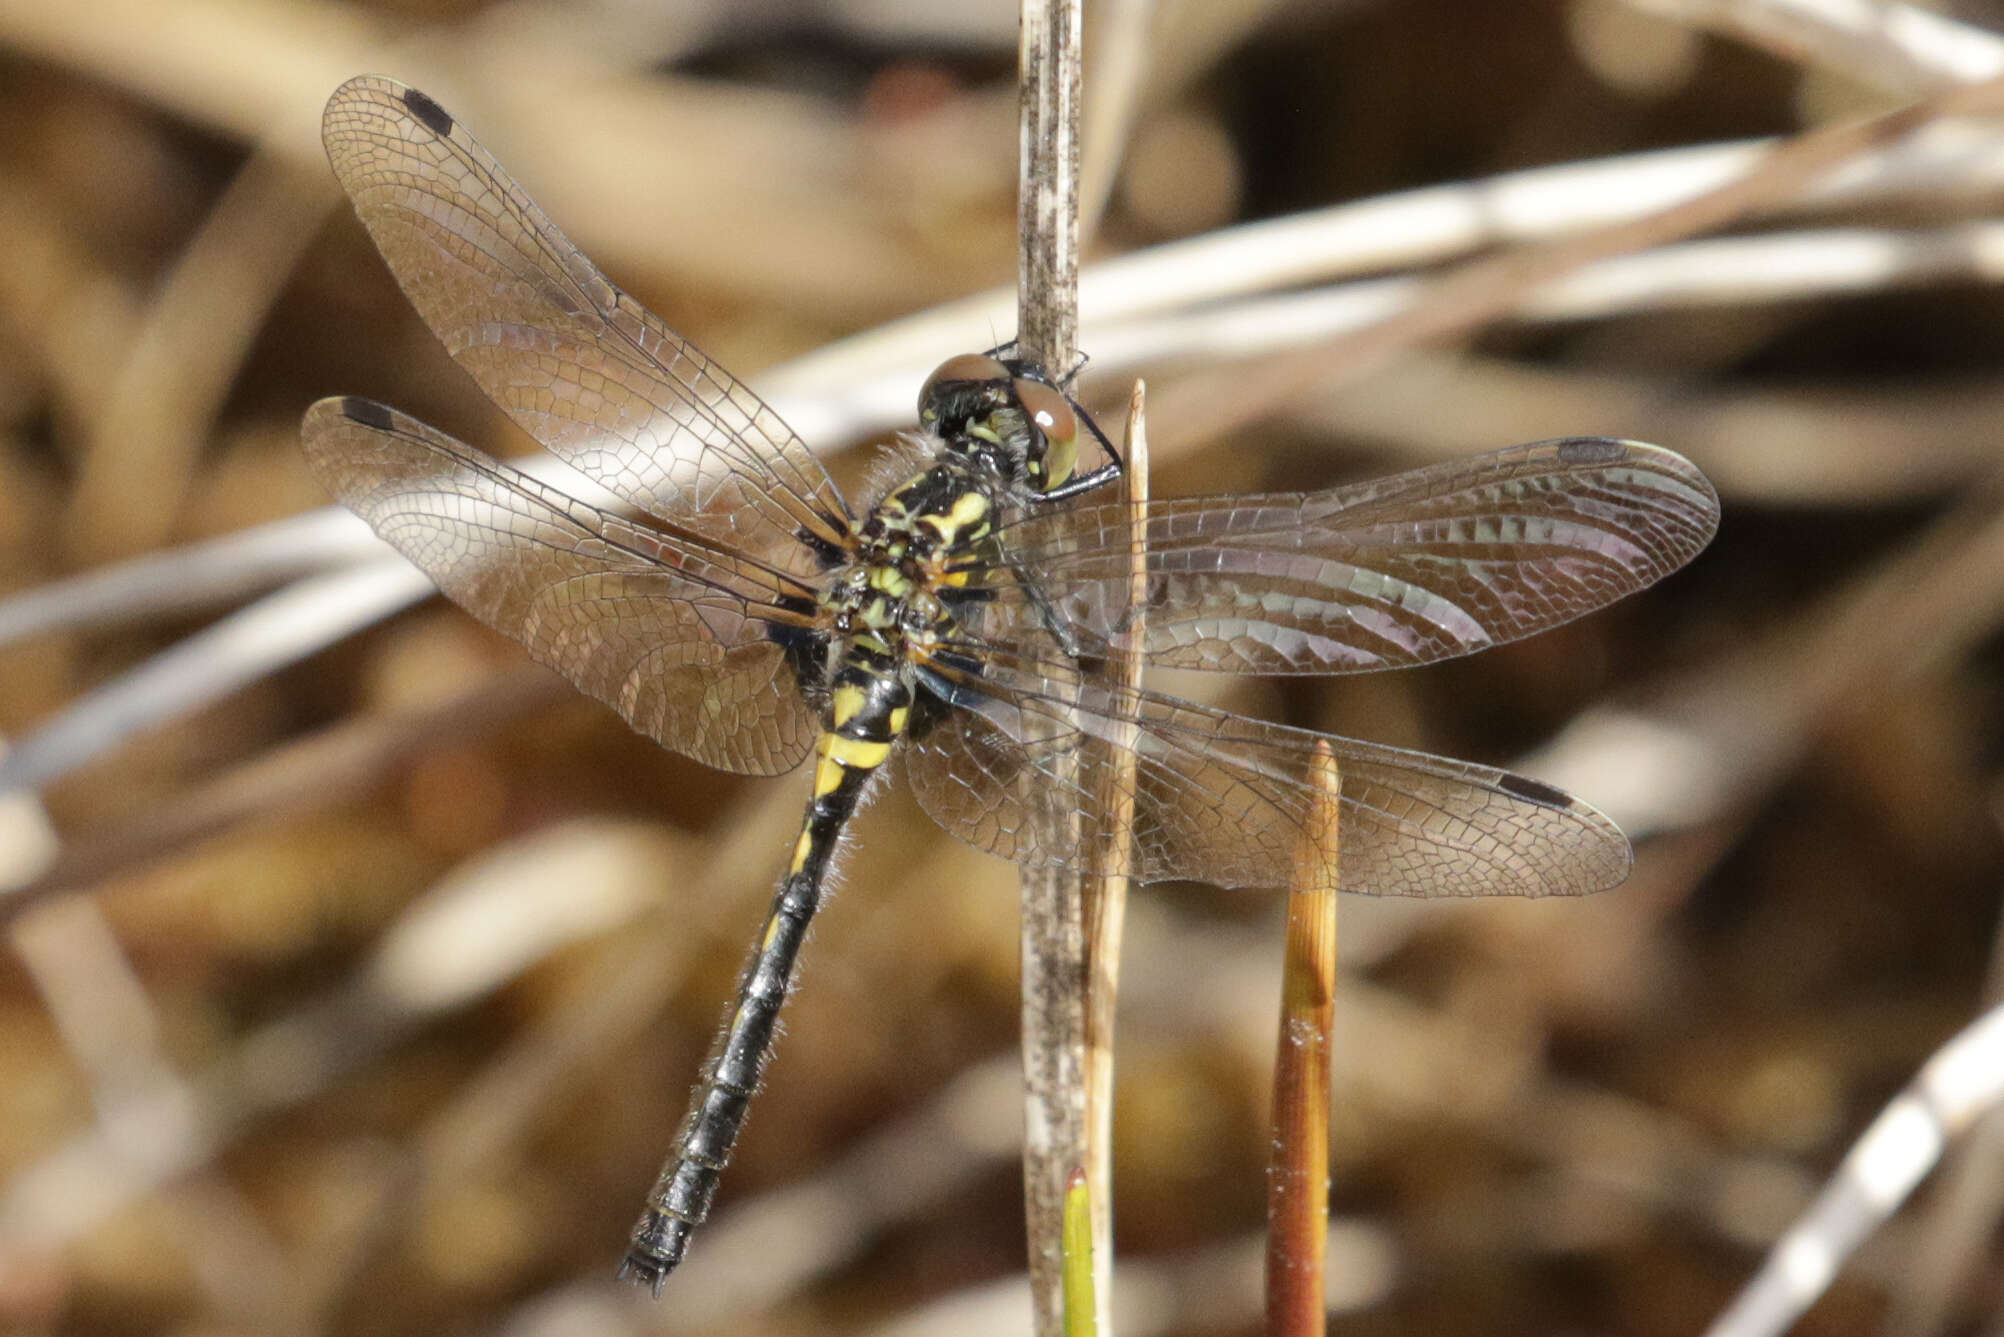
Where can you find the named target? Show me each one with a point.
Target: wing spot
(1537, 791)
(434, 117)
(367, 412)
(1591, 450)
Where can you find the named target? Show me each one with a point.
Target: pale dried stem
(1792, 446)
(1478, 291)
(141, 458)
(1053, 927)
(1112, 876)
(93, 994)
(1047, 201)
(1960, 1217)
(1963, 1081)
(73, 314)
(297, 777)
(54, 1200)
(862, 384)
(1898, 48)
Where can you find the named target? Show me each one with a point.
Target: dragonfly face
(743, 614)
(978, 398)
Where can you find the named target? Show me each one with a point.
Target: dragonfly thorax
(886, 605)
(945, 507)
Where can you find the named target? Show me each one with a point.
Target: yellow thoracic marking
(848, 702)
(898, 717)
(968, 508)
(828, 773)
(890, 580)
(801, 849)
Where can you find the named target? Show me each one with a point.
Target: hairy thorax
(892, 604)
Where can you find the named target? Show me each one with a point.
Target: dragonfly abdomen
(868, 708)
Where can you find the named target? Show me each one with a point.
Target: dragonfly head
(1007, 404)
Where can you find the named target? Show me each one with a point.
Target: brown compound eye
(1051, 413)
(965, 367)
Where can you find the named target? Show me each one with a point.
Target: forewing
(576, 362)
(1223, 799)
(1422, 566)
(672, 634)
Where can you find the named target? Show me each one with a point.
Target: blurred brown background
(394, 965)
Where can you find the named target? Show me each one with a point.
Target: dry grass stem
(1901, 49)
(1961, 1082)
(1480, 289)
(1297, 1191)
(1056, 1139)
(1111, 880)
(299, 777)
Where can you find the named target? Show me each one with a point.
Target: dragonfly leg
(1099, 477)
(1047, 614)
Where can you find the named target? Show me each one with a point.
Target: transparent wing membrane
(580, 365)
(680, 625)
(671, 635)
(1224, 799)
(1423, 566)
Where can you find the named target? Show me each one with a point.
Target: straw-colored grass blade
(1298, 1176)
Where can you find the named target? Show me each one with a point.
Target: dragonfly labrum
(737, 609)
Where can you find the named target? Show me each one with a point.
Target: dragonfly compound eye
(956, 372)
(1054, 449)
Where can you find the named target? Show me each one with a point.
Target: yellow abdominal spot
(801, 850)
(848, 702)
(856, 754)
(898, 718)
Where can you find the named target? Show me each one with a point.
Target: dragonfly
(735, 608)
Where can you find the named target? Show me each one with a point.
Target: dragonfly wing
(1422, 566)
(1228, 800)
(579, 364)
(675, 635)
